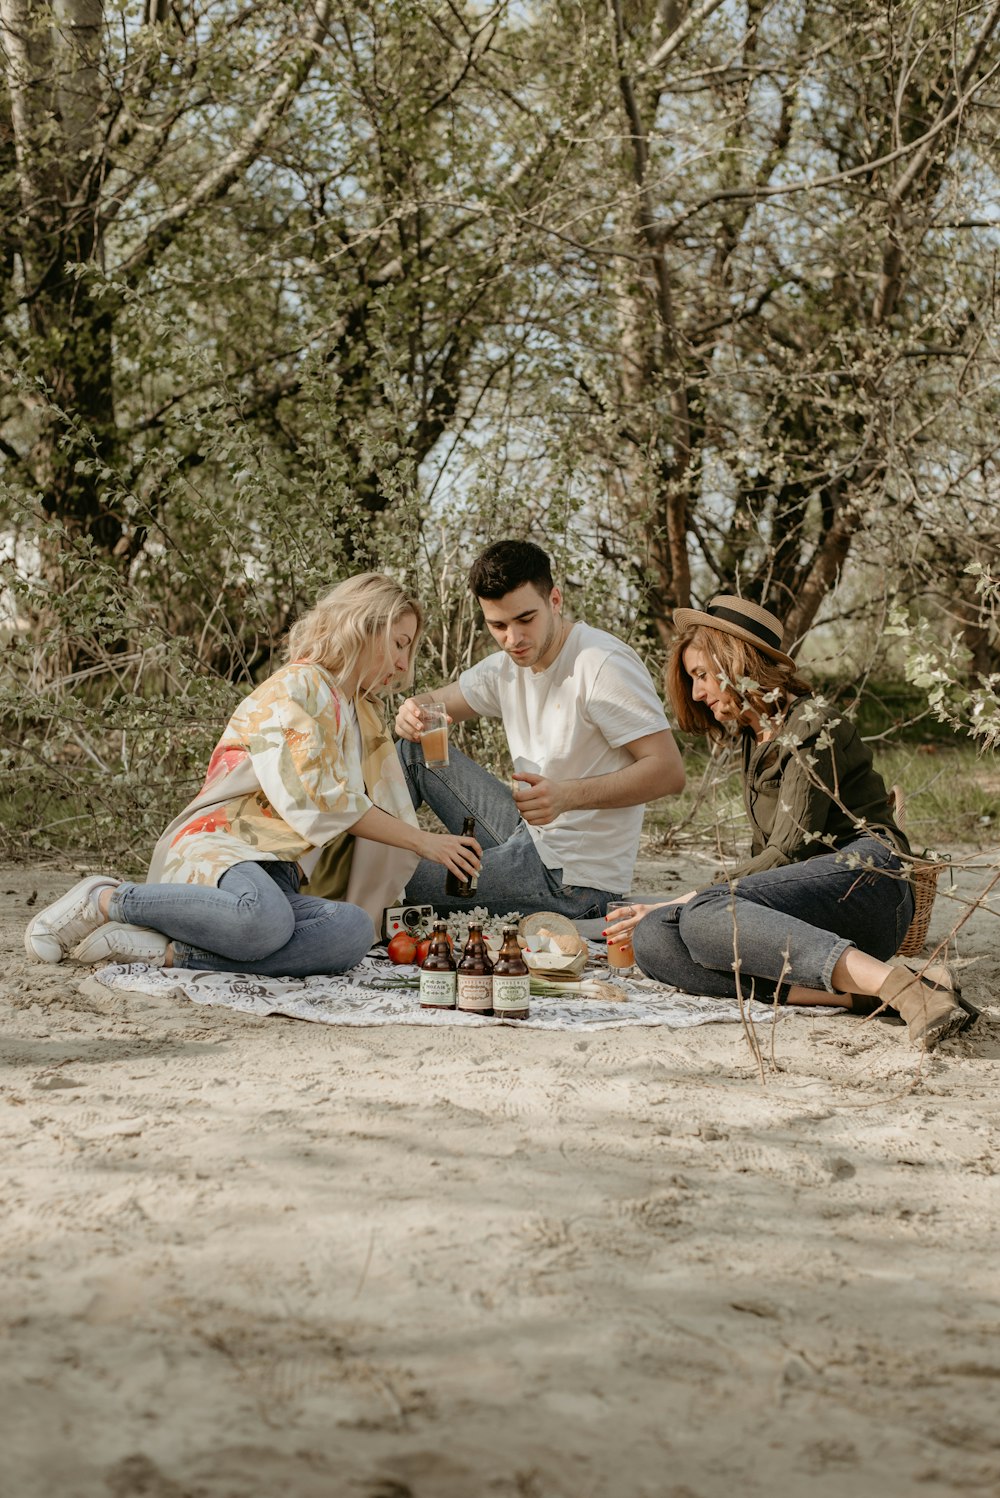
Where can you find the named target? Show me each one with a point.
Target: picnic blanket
(370, 994)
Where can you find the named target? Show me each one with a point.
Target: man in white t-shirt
(588, 739)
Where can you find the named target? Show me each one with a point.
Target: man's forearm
(645, 780)
(451, 695)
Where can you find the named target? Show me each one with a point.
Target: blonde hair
(776, 685)
(341, 628)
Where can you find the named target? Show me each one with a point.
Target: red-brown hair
(772, 685)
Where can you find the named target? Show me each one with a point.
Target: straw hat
(739, 617)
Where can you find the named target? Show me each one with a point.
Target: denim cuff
(116, 910)
(840, 946)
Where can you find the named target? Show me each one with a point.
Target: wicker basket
(925, 876)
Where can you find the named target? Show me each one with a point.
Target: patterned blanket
(372, 994)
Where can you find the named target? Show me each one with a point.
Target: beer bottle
(454, 885)
(475, 974)
(511, 980)
(437, 972)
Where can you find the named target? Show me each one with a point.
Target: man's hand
(539, 800)
(410, 720)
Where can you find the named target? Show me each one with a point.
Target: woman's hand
(626, 920)
(462, 855)
(619, 929)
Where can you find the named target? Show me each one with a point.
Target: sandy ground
(254, 1258)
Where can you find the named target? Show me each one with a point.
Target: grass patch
(54, 798)
(952, 796)
(892, 710)
(952, 792)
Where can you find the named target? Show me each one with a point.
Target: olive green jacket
(808, 789)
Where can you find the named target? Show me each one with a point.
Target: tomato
(402, 948)
(424, 946)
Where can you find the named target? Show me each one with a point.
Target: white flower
(459, 922)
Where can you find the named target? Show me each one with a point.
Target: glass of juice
(434, 734)
(621, 958)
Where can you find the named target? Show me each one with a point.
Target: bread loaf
(567, 943)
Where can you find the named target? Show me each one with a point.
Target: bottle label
(511, 992)
(475, 991)
(438, 989)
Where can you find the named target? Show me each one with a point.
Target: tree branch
(676, 37)
(835, 179)
(953, 102)
(217, 182)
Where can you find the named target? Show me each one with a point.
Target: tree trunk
(55, 93)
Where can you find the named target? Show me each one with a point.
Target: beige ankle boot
(938, 974)
(931, 1009)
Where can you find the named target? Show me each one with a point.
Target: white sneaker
(50, 934)
(115, 942)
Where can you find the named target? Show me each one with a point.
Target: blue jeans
(253, 921)
(513, 876)
(789, 925)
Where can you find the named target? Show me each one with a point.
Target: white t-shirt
(569, 722)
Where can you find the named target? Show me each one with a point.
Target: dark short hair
(507, 565)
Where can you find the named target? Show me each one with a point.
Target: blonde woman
(304, 771)
(823, 901)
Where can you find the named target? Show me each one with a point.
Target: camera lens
(411, 917)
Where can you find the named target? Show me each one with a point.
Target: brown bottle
(438, 978)
(475, 975)
(511, 979)
(455, 886)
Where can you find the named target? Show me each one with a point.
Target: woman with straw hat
(823, 901)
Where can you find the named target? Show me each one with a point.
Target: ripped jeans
(787, 925)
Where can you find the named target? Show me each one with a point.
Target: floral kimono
(288, 778)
